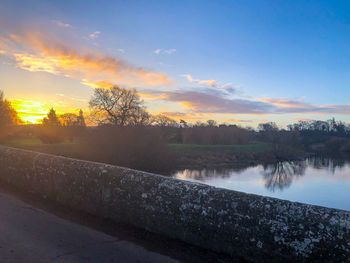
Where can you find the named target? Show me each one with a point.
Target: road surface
(29, 234)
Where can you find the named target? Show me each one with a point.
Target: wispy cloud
(240, 121)
(97, 84)
(60, 23)
(94, 35)
(211, 83)
(204, 82)
(174, 114)
(218, 103)
(33, 52)
(209, 102)
(160, 51)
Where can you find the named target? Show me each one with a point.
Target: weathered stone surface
(257, 228)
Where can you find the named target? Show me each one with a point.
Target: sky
(237, 62)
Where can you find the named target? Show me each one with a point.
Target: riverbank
(214, 156)
(184, 156)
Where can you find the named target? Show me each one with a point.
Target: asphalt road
(29, 234)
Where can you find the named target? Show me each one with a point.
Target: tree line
(127, 134)
(119, 107)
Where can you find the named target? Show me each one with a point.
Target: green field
(33, 144)
(256, 147)
(75, 149)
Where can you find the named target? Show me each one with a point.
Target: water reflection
(322, 163)
(304, 181)
(281, 175)
(203, 174)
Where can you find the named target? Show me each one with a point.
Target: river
(318, 180)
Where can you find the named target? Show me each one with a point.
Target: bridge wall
(254, 227)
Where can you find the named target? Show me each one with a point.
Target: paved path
(28, 234)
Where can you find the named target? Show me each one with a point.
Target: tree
(140, 118)
(69, 120)
(51, 129)
(211, 123)
(74, 125)
(81, 119)
(51, 119)
(73, 120)
(268, 127)
(8, 115)
(162, 120)
(183, 124)
(116, 106)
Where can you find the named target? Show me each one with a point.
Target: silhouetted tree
(211, 123)
(74, 125)
(81, 119)
(183, 124)
(72, 120)
(268, 127)
(51, 119)
(162, 120)
(68, 119)
(117, 106)
(8, 115)
(51, 129)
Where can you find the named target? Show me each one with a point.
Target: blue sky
(291, 56)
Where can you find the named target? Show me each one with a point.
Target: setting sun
(29, 111)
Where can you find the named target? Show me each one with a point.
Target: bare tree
(140, 118)
(163, 121)
(72, 119)
(68, 119)
(116, 106)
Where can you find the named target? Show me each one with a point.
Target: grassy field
(256, 147)
(66, 148)
(186, 154)
(36, 145)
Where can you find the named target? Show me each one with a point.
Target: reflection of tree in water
(203, 174)
(326, 163)
(280, 175)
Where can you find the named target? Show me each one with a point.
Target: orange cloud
(239, 121)
(97, 84)
(284, 103)
(36, 53)
(206, 82)
(35, 63)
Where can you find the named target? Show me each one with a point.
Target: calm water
(319, 181)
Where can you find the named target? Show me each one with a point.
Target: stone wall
(256, 228)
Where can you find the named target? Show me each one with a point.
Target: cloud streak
(218, 103)
(33, 52)
(160, 51)
(94, 35)
(211, 83)
(60, 23)
(203, 82)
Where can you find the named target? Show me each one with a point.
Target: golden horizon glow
(33, 111)
(29, 111)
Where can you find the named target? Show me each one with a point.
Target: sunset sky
(241, 62)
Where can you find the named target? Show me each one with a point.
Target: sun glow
(30, 112)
